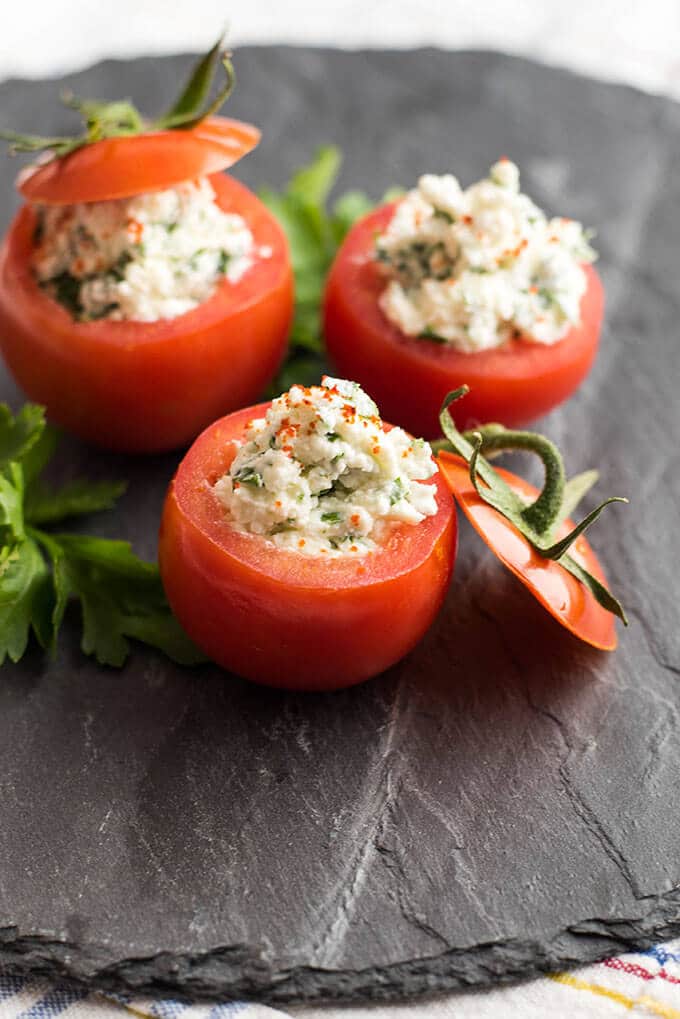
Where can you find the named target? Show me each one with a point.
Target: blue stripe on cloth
(662, 955)
(168, 1009)
(10, 985)
(227, 1010)
(54, 1003)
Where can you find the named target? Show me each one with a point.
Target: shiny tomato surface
(565, 597)
(286, 619)
(409, 377)
(125, 166)
(149, 386)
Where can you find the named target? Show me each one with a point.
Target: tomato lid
(564, 597)
(124, 166)
(530, 530)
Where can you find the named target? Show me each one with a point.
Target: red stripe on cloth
(634, 969)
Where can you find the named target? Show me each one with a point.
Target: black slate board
(503, 802)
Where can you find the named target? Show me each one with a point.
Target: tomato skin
(285, 619)
(409, 378)
(565, 598)
(121, 167)
(149, 386)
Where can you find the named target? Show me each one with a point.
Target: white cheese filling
(474, 268)
(318, 474)
(150, 257)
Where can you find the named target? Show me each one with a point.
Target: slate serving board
(503, 802)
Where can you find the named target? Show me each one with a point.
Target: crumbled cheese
(475, 268)
(318, 474)
(153, 256)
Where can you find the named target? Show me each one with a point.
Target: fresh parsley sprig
(314, 235)
(120, 596)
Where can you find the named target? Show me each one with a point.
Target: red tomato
(282, 618)
(121, 167)
(148, 386)
(565, 598)
(409, 378)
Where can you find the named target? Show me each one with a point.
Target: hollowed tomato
(149, 386)
(409, 377)
(283, 618)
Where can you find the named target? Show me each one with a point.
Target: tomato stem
(558, 497)
(121, 118)
(542, 514)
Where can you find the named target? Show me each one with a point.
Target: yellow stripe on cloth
(650, 1004)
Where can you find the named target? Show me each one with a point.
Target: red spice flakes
(236, 484)
(353, 548)
(301, 543)
(375, 450)
(354, 519)
(287, 449)
(134, 230)
(278, 504)
(467, 220)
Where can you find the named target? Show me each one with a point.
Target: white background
(633, 41)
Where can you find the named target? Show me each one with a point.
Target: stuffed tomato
(304, 544)
(450, 286)
(142, 292)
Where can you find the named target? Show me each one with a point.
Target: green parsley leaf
(24, 583)
(19, 434)
(47, 505)
(314, 235)
(120, 595)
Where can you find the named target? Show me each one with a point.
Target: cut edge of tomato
(456, 473)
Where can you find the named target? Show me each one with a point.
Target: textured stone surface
(505, 800)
